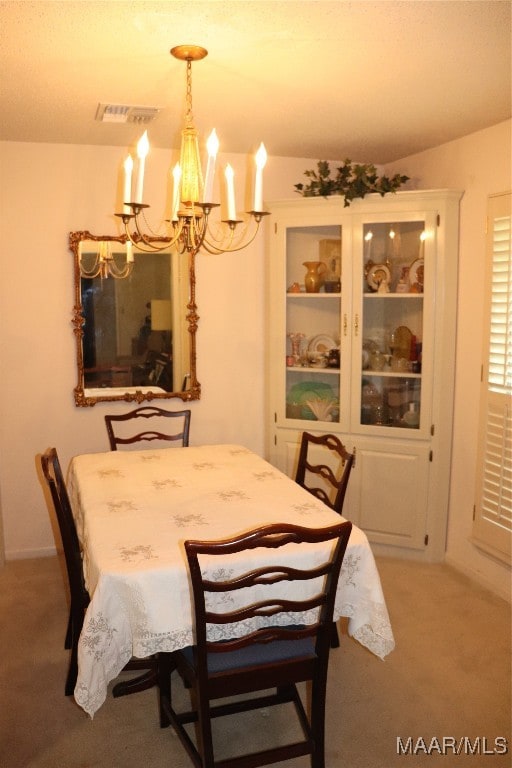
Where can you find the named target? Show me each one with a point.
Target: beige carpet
(448, 678)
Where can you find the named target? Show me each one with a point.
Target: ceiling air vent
(122, 113)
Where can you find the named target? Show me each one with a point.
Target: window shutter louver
(493, 510)
(500, 348)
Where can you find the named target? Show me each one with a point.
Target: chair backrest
(157, 415)
(53, 476)
(298, 611)
(334, 480)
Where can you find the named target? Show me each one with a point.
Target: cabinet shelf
(304, 295)
(311, 369)
(388, 296)
(392, 374)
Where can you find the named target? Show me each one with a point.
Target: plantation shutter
(493, 509)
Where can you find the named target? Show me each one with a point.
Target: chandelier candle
(142, 151)
(127, 196)
(230, 192)
(261, 159)
(212, 145)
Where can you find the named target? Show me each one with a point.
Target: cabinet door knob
(345, 324)
(356, 324)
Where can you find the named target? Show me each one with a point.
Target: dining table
(134, 509)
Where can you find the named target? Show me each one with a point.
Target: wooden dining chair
(157, 416)
(327, 481)
(267, 651)
(79, 597)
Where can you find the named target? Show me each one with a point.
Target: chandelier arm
(151, 246)
(215, 250)
(212, 248)
(197, 228)
(225, 235)
(140, 231)
(225, 244)
(136, 238)
(151, 231)
(114, 270)
(181, 247)
(92, 273)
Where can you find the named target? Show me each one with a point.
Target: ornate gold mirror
(134, 322)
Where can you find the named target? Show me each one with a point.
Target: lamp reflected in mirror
(106, 263)
(135, 337)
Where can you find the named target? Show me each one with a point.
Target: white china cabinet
(361, 343)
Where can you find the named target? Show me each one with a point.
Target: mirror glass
(135, 335)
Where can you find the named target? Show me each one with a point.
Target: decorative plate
(321, 344)
(299, 395)
(416, 273)
(376, 275)
(300, 392)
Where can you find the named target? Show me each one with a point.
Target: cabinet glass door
(311, 359)
(391, 330)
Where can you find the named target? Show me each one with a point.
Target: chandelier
(189, 226)
(104, 263)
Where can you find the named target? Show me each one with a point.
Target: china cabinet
(361, 343)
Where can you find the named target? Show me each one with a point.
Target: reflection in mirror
(134, 325)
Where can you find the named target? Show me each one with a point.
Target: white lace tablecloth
(134, 510)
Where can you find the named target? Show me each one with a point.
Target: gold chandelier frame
(189, 228)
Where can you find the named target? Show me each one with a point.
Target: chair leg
(164, 670)
(68, 640)
(335, 638)
(75, 624)
(318, 695)
(205, 731)
(73, 663)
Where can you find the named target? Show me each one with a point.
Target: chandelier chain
(151, 231)
(189, 116)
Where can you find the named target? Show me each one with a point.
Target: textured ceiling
(373, 81)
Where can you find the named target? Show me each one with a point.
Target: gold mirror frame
(82, 399)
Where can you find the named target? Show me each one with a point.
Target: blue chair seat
(252, 655)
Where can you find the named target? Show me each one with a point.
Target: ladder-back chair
(312, 476)
(79, 597)
(327, 482)
(155, 419)
(267, 649)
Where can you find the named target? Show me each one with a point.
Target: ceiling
(369, 81)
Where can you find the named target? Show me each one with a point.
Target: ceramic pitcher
(313, 279)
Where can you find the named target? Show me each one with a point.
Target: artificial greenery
(352, 180)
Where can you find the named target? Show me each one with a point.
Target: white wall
(47, 191)
(480, 164)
